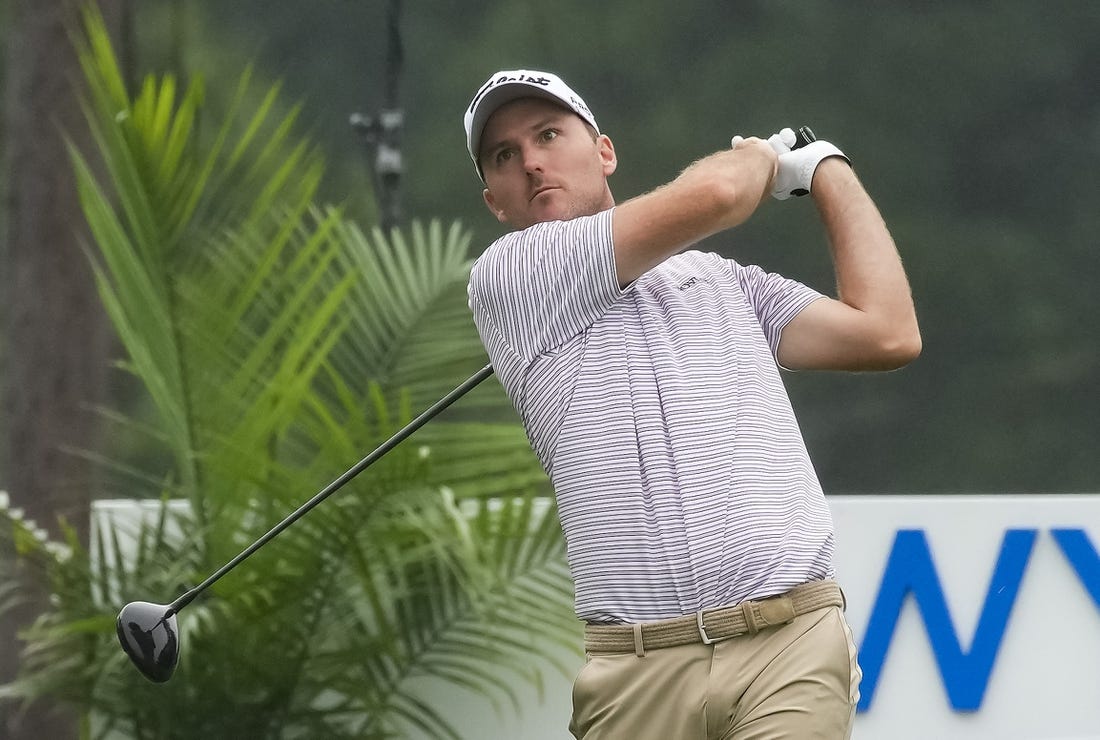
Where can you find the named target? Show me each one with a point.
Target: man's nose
(532, 159)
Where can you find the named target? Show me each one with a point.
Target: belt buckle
(702, 630)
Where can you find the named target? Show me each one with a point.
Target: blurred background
(975, 125)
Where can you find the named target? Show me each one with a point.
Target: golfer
(647, 377)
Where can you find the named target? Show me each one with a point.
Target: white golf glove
(797, 166)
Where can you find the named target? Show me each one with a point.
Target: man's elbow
(898, 349)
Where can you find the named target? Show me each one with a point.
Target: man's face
(543, 163)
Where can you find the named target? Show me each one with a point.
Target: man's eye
(504, 155)
(549, 134)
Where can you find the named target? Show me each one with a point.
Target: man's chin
(550, 212)
(543, 213)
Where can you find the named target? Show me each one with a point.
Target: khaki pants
(797, 681)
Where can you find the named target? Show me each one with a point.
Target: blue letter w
(910, 569)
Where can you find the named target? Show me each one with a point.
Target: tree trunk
(55, 335)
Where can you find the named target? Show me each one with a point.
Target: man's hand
(798, 165)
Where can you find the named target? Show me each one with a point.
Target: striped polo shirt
(658, 412)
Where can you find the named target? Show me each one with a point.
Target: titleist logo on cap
(510, 77)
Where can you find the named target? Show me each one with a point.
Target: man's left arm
(872, 324)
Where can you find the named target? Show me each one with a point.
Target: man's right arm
(715, 193)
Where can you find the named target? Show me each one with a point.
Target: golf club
(148, 631)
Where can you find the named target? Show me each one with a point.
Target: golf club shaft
(804, 136)
(331, 488)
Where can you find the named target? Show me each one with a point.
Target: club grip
(803, 135)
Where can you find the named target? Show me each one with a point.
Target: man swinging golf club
(698, 537)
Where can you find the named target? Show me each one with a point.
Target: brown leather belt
(712, 625)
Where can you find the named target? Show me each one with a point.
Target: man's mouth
(540, 190)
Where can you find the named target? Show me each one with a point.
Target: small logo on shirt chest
(688, 283)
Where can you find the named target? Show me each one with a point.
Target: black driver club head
(149, 636)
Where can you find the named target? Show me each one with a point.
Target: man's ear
(607, 155)
(490, 203)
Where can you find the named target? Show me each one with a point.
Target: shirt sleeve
(775, 299)
(533, 290)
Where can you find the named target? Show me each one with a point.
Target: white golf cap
(506, 86)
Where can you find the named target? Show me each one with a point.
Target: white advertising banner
(976, 616)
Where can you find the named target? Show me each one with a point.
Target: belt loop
(639, 648)
(748, 610)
